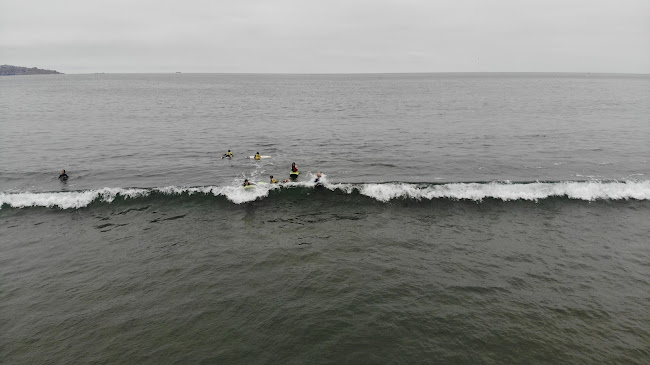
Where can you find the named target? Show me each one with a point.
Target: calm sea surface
(463, 218)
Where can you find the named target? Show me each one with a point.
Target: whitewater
(580, 190)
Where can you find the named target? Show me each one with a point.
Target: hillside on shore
(8, 70)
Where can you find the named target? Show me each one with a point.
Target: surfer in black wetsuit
(246, 183)
(227, 155)
(63, 175)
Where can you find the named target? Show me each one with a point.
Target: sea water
(472, 218)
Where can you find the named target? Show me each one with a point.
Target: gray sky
(327, 36)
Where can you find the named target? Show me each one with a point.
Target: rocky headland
(8, 70)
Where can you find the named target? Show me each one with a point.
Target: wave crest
(383, 192)
(639, 190)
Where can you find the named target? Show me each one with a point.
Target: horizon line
(362, 73)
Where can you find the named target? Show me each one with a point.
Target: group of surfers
(293, 175)
(229, 156)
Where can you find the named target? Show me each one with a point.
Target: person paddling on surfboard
(63, 175)
(246, 183)
(258, 156)
(227, 155)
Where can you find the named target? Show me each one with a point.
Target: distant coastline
(9, 70)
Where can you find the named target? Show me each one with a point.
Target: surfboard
(263, 156)
(252, 185)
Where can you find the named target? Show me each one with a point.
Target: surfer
(273, 181)
(227, 155)
(246, 183)
(294, 171)
(258, 156)
(63, 175)
(318, 184)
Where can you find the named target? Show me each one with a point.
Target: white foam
(66, 200)
(384, 192)
(639, 190)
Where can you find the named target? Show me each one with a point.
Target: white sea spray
(383, 192)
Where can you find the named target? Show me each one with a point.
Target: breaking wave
(383, 192)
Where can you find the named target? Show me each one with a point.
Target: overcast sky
(327, 36)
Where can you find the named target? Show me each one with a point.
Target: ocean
(461, 218)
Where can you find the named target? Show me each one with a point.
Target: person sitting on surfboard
(294, 168)
(294, 171)
(227, 155)
(63, 175)
(258, 156)
(246, 183)
(273, 181)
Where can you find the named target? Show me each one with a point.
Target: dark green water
(318, 277)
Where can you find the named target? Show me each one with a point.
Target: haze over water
(464, 218)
